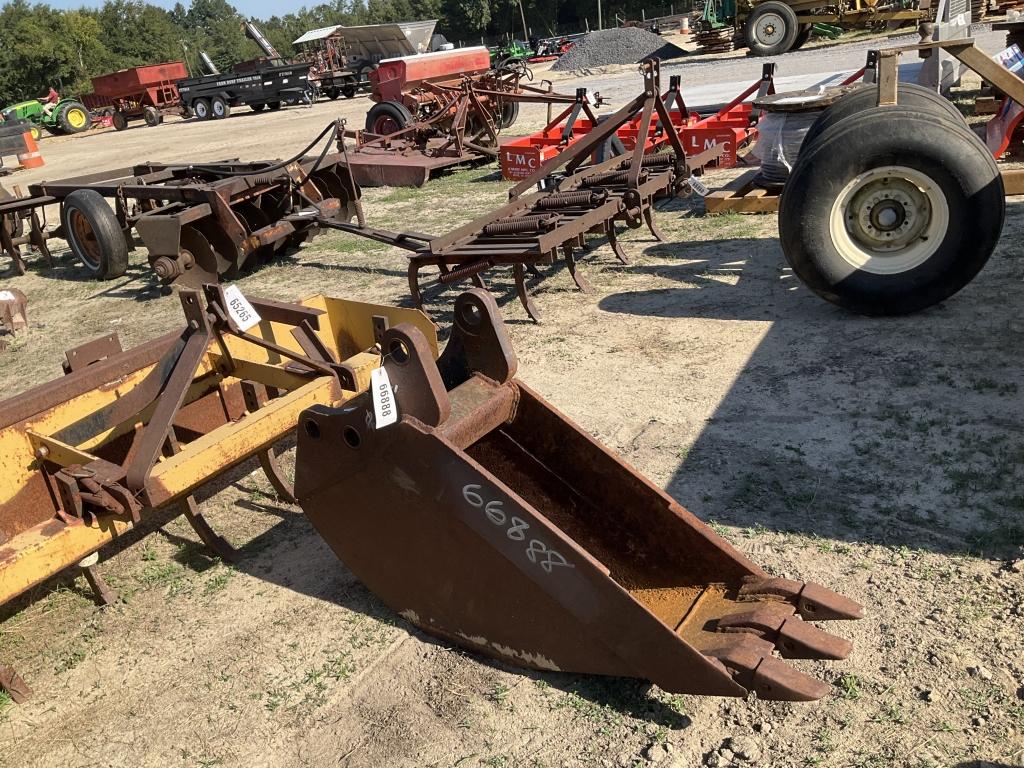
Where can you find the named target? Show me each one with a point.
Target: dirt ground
(879, 457)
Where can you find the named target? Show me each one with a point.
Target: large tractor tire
(73, 117)
(772, 28)
(891, 211)
(95, 237)
(387, 117)
(909, 95)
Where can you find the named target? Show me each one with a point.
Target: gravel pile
(625, 45)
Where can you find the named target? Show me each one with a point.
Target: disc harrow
(199, 223)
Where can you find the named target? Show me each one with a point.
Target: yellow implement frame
(74, 474)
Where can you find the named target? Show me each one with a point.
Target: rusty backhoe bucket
(486, 517)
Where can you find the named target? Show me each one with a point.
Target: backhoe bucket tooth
(486, 517)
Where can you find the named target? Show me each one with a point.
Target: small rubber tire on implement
(152, 117)
(802, 36)
(74, 118)
(36, 131)
(201, 109)
(273, 106)
(119, 121)
(219, 108)
(348, 90)
(771, 28)
(95, 237)
(908, 95)
(332, 93)
(507, 115)
(891, 211)
(387, 117)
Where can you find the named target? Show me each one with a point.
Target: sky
(261, 9)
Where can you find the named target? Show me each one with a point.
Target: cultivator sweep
(486, 517)
(198, 222)
(82, 457)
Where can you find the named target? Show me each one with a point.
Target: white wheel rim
(218, 108)
(200, 110)
(889, 220)
(769, 28)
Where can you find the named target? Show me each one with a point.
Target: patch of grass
(5, 701)
(889, 713)
(499, 693)
(496, 761)
(402, 195)
(849, 687)
(218, 581)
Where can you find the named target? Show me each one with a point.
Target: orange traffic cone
(31, 157)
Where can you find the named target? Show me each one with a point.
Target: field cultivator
(86, 457)
(733, 126)
(540, 227)
(486, 517)
(198, 222)
(440, 124)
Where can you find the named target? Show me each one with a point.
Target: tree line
(42, 46)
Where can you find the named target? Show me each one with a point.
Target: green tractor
(67, 116)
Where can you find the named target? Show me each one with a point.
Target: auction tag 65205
(240, 309)
(385, 410)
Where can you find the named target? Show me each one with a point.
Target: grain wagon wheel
(201, 263)
(119, 120)
(152, 117)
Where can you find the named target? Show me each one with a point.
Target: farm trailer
(343, 57)
(773, 27)
(147, 93)
(259, 83)
(525, 512)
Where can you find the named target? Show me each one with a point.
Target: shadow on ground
(898, 431)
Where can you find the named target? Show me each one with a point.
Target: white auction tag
(698, 186)
(6, 296)
(240, 309)
(384, 407)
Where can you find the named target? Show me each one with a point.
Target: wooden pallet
(742, 195)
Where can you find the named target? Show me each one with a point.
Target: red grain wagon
(148, 92)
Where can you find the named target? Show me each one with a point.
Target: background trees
(42, 46)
